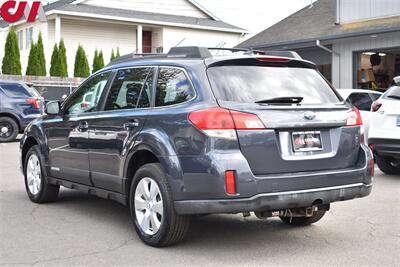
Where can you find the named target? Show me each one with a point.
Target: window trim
(187, 77)
(107, 92)
(156, 69)
(100, 105)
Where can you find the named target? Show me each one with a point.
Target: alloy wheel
(34, 174)
(6, 129)
(148, 206)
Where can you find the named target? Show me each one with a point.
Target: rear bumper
(275, 201)
(386, 147)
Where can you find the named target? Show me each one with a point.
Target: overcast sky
(253, 15)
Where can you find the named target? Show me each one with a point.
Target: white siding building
(140, 26)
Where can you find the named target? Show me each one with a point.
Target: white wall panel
(172, 7)
(356, 10)
(96, 35)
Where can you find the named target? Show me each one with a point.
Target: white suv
(384, 132)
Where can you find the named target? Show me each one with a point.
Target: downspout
(334, 53)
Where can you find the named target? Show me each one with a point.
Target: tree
(33, 61)
(81, 69)
(98, 61)
(11, 61)
(118, 55)
(94, 66)
(112, 55)
(54, 66)
(62, 59)
(40, 55)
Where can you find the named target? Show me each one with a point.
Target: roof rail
(201, 53)
(135, 56)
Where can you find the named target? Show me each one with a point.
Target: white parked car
(361, 99)
(384, 133)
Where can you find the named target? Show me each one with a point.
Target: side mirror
(53, 108)
(396, 80)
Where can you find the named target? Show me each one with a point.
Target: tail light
(376, 105)
(273, 59)
(372, 166)
(223, 123)
(34, 102)
(230, 183)
(85, 105)
(354, 118)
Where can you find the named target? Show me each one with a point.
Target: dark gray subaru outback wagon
(190, 133)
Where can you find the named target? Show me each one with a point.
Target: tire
(9, 129)
(35, 181)
(388, 165)
(303, 221)
(169, 228)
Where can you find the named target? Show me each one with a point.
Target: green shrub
(54, 66)
(112, 55)
(40, 55)
(33, 61)
(81, 68)
(62, 59)
(11, 61)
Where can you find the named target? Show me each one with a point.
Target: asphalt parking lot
(83, 230)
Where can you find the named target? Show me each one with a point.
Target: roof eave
(327, 38)
(144, 21)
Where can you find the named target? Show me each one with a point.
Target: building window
(21, 40)
(29, 36)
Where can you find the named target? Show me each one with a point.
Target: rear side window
(173, 87)
(15, 90)
(131, 89)
(362, 101)
(393, 93)
(249, 84)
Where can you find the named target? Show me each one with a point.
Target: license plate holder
(307, 141)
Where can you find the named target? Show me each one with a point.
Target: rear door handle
(131, 124)
(83, 126)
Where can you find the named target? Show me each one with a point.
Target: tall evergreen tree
(118, 55)
(112, 55)
(11, 61)
(95, 61)
(54, 66)
(81, 68)
(41, 58)
(33, 61)
(62, 59)
(100, 60)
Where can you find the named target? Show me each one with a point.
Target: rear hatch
(307, 125)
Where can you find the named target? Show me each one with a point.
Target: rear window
(248, 84)
(15, 90)
(393, 93)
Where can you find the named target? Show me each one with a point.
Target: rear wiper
(393, 96)
(281, 100)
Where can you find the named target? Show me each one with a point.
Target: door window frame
(101, 103)
(154, 69)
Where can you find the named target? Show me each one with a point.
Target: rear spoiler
(272, 61)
